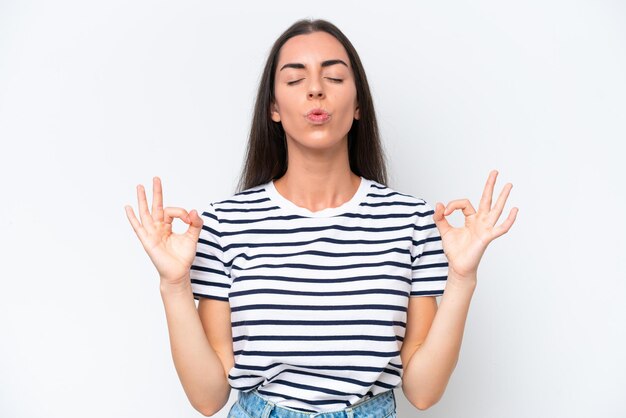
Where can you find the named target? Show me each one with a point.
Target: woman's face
(314, 72)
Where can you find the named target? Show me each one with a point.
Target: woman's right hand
(172, 254)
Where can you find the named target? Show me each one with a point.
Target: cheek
(286, 102)
(348, 102)
(347, 95)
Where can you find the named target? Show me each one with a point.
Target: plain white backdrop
(97, 97)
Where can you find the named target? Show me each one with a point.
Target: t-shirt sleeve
(429, 270)
(210, 277)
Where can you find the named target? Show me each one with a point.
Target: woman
(316, 283)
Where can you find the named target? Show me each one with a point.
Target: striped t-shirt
(318, 299)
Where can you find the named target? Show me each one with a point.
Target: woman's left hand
(465, 246)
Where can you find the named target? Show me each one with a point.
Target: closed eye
(334, 80)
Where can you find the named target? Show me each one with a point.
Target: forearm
(428, 371)
(199, 368)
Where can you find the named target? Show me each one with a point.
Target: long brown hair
(266, 154)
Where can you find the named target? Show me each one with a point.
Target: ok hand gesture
(172, 254)
(465, 246)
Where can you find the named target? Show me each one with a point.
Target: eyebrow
(326, 63)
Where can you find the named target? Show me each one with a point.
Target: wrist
(465, 282)
(169, 288)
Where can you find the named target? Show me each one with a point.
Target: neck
(318, 180)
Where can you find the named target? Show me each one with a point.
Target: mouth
(317, 115)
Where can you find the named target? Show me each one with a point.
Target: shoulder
(244, 196)
(399, 198)
(232, 205)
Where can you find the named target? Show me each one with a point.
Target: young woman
(316, 282)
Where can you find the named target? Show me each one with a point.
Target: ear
(275, 114)
(357, 113)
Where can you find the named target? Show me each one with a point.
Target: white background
(97, 97)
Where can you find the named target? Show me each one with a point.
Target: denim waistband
(257, 406)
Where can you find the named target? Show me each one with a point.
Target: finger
(440, 221)
(495, 213)
(463, 204)
(485, 200)
(144, 214)
(196, 224)
(157, 199)
(506, 225)
(171, 213)
(139, 230)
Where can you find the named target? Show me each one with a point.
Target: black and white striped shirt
(318, 299)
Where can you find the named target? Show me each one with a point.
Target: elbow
(211, 406)
(207, 411)
(424, 403)
(422, 406)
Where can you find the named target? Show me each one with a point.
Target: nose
(316, 92)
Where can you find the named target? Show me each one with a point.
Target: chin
(320, 143)
(319, 140)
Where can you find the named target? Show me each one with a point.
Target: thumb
(195, 224)
(440, 221)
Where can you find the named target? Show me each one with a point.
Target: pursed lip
(317, 115)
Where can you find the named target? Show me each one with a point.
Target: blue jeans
(252, 405)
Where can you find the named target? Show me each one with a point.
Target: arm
(420, 314)
(199, 368)
(197, 352)
(428, 370)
